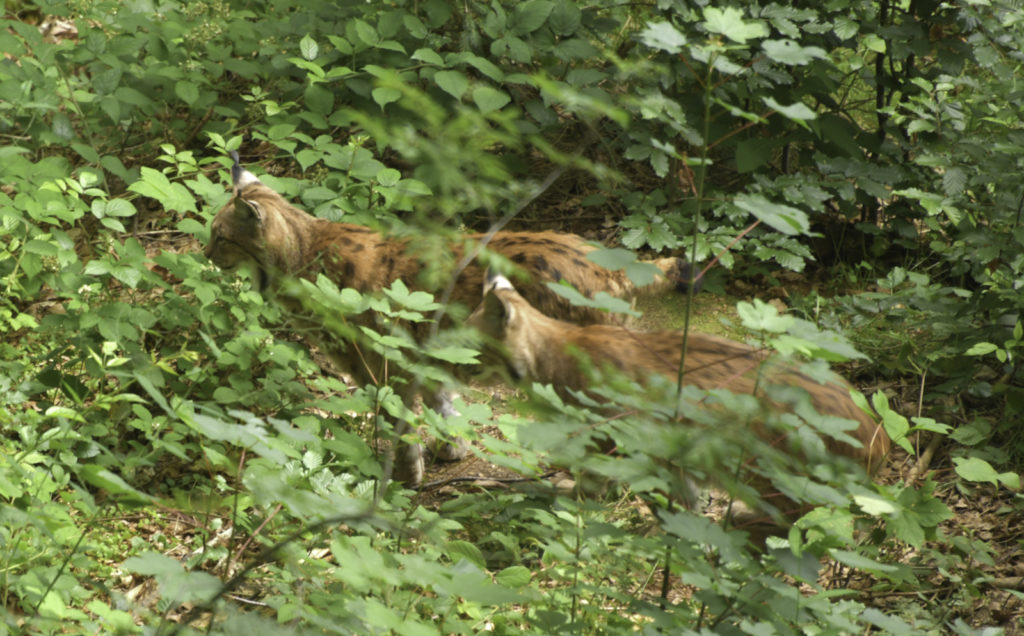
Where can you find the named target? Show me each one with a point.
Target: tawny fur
(543, 349)
(259, 228)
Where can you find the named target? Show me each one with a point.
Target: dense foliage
(172, 458)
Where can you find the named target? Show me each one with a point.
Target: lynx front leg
(447, 450)
(409, 463)
(408, 467)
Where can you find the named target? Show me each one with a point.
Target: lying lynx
(259, 228)
(537, 347)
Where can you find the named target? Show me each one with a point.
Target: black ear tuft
(236, 168)
(489, 277)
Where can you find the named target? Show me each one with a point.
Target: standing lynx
(259, 228)
(533, 346)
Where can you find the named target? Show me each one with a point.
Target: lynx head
(505, 320)
(240, 234)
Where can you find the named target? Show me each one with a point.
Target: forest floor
(986, 586)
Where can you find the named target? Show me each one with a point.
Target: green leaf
(309, 48)
(783, 218)
(860, 562)
(490, 99)
(529, 16)
(319, 99)
(663, 36)
(113, 207)
(366, 33)
(388, 177)
(759, 316)
(874, 505)
(977, 469)
(86, 152)
(386, 95)
(751, 154)
(730, 23)
(981, 349)
(873, 43)
(454, 355)
(452, 82)
(428, 56)
(797, 112)
(181, 585)
(155, 184)
(102, 478)
(44, 248)
(280, 131)
(791, 53)
(514, 576)
(845, 28)
(565, 18)
(458, 550)
(617, 258)
(187, 92)
(601, 300)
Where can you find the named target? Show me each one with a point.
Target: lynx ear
(247, 210)
(498, 310)
(494, 280)
(239, 175)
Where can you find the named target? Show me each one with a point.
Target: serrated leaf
(791, 53)
(759, 316)
(954, 181)
(452, 82)
(489, 99)
(388, 177)
(156, 185)
(87, 152)
(730, 23)
(845, 28)
(366, 33)
(309, 48)
(663, 36)
(128, 275)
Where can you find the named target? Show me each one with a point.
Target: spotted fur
(259, 228)
(531, 345)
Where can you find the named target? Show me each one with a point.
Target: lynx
(259, 228)
(533, 346)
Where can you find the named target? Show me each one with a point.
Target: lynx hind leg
(448, 450)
